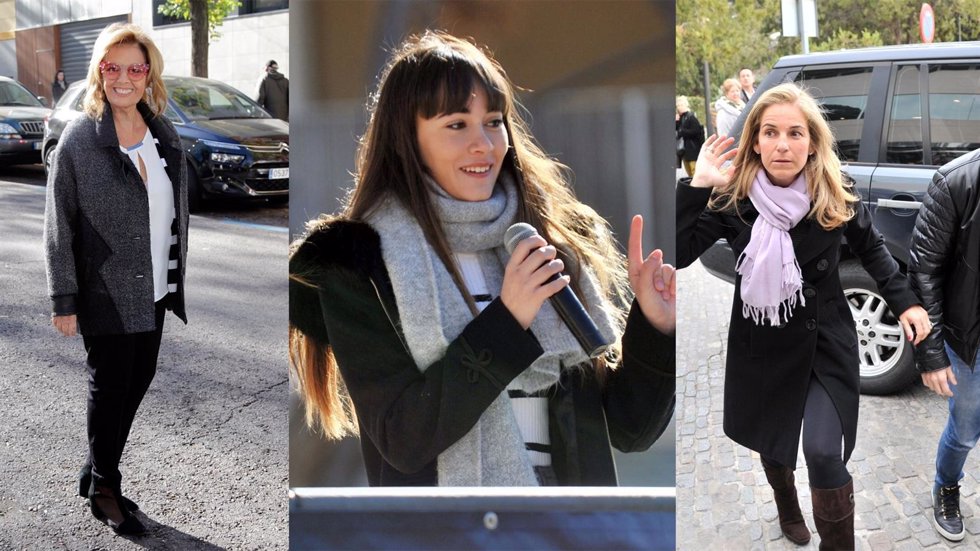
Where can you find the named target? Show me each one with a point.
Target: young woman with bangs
(412, 325)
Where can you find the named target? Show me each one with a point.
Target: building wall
(43, 13)
(237, 58)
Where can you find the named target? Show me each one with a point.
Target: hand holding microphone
(531, 276)
(534, 274)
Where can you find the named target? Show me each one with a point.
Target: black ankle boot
(85, 480)
(128, 526)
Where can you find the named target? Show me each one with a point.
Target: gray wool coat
(97, 227)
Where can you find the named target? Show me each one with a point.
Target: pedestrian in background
(273, 93)
(784, 206)
(746, 81)
(58, 87)
(689, 134)
(944, 263)
(115, 233)
(728, 107)
(459, 370)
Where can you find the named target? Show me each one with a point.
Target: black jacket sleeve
(867, 244)
(639, 396)
(412, 416)
(697, 226)
(933, 246)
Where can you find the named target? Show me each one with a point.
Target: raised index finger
(634, 253)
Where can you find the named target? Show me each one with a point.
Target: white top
(159, 191)
(531, 413)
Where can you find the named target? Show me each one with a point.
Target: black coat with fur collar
(407, 418)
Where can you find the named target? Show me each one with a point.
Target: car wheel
(48, 158)
(886, 358)
(194, 199)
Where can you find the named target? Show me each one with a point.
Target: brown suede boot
(784, 491)
(833, 513)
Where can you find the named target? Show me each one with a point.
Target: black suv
(234, 148)
(898, 113)
(21, 123)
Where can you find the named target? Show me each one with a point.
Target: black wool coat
(769, 369)
(407, 418)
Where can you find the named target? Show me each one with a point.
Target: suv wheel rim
(880, 336)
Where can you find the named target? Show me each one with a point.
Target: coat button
(809, 292)
(811, 324)
(822, 265)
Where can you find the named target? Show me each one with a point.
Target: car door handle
(895, 204)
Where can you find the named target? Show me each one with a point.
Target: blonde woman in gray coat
(115, 236)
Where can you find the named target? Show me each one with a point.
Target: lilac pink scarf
(771, 280)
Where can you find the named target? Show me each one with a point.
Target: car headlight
(226, 158)
(8, 132)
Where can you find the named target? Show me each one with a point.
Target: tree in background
(205, 17)
(731, 34)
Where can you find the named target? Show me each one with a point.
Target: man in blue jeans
(944, 269)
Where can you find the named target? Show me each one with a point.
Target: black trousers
(823, 440)
(120, 369)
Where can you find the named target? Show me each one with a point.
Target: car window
(203, 100)
(79, 99)
(172, 115)
(72, 98)
(904, 143)
(843, 93)
(12, 93)
(954, 110)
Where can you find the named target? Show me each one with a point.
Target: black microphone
(568, 306)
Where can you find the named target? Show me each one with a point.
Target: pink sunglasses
(136, 71)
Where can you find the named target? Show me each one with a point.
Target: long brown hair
(430, 75)
(832, 201)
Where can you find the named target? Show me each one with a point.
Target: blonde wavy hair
(831, 197)
(428, 75)
(155, 94)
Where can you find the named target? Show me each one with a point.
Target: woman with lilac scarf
(785, 208)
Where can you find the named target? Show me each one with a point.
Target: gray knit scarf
(434, 312)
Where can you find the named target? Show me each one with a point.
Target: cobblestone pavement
(721, 484)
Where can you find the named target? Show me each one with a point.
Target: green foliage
(845, 39)
(731, 34)
(217, 11)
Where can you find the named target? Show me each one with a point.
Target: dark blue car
(234, 148)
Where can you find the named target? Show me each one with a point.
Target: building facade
(38, 38)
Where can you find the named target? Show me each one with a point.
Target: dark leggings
(823, 440)
(121, 368)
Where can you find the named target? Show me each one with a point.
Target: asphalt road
(206, 460)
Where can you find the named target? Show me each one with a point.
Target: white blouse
(159, 191)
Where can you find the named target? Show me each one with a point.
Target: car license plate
(37, 146)
(278, 173)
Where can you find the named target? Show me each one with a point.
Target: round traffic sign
(927, 24)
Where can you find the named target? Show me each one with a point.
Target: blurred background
(598, 79)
